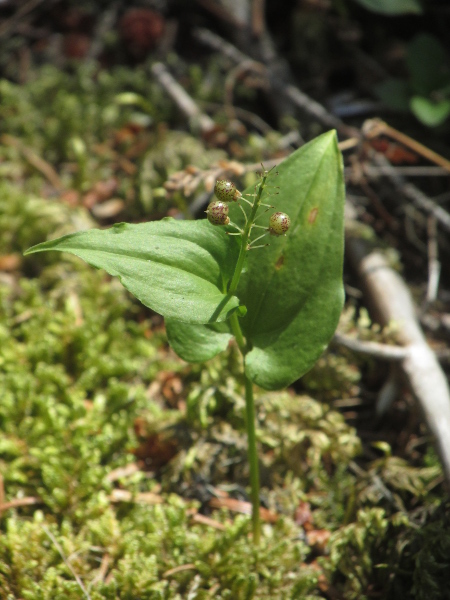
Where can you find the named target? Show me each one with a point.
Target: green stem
(237, 332)
(250, 418)
(245, 237)
(250, 414)
(250, 421)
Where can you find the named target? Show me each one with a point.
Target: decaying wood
(390, 301)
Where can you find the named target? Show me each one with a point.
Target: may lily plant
(280, 303)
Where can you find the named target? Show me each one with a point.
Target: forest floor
(123, 469)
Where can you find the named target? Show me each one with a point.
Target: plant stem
(250, 415)
(250, 418)
(246, 236)
(250, 421)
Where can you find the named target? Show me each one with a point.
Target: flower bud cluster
(217, 211)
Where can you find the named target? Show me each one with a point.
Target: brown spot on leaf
(313, 215)
(279, 263)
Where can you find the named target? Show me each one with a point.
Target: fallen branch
(374, 349)
(390, 300)
(182, 98)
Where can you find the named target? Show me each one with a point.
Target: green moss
(83, 377)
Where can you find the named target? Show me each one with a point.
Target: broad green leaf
(177, 268)
(392, 7)
(197, 343)
(293, 288)
(428, 112)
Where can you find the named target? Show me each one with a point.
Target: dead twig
(141, 497)
(411, 192)
(390, 300)
(34, 160)
(179, 569)
(182, 99)
(434, 266)
(18, 502)
(214, 41)
(8, 25)
(374, 349)
(319, 112)
(375, 127)
(373, 171)
(290, 92)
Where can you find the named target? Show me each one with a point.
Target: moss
(88, 385)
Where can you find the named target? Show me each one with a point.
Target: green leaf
(428, 64)
(428, 112)
(392, 7)
(293, 289)
(197, 343)
(394, 93)
(177, 268)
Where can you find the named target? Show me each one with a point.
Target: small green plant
(280, 304)
(426, 93)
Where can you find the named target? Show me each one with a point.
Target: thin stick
(392, 301)
(375, 127)
(375, 349)
(419, 199)
(181, 98)
(434, 266)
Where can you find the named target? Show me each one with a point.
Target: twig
(375, 127)
(375, 349)
(378, 171)
(101, 574)
(28, 501)
(243, 115)
(179, 569)
(34, 160)
(215, 42)
(258, 25)
(292, 93)
(391, 301)
(181, 98)
(410, 191)
(434, 266)
(122, 472)
(141, 497)
(66, 562)
(18, 15)
(319, 112)
(204, 520)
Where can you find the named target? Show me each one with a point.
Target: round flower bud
(217, 213)
(226, 191)
(279, 223)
